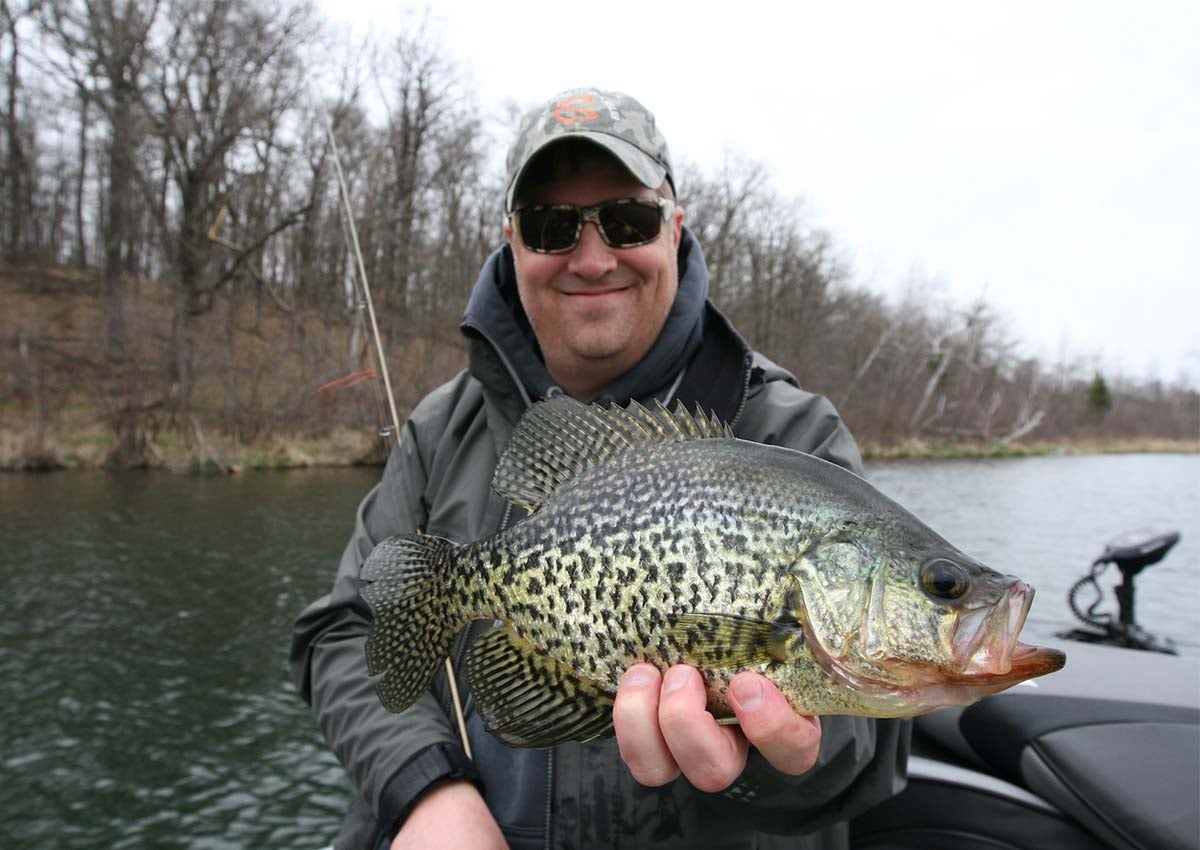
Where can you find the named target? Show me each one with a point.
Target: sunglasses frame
(665, 207)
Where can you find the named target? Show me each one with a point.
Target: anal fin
(527, 699)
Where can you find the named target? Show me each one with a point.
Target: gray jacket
(578, 795)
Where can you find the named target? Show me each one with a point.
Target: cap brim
(645, 170)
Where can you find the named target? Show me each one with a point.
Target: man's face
(596, 310)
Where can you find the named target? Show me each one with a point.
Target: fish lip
(1029, 662)
(940, 690)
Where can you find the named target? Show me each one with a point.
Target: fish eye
(943, 579)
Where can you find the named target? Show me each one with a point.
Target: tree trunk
(188, 269)
(15, 157)
(116, 229)
(80, 253)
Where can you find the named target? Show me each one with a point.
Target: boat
(1102, 755)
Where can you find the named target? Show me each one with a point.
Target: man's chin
(598, 343)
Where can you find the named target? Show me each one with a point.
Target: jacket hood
(494, 312)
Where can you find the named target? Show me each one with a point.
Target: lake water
(1046, 519)
(146, 700)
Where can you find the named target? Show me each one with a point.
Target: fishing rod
(363, 287)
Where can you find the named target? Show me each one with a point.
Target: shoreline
(919, 450)
(177, 452)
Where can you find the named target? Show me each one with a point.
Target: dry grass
(27, 451)
(254, 402)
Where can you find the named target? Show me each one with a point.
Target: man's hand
(450, 817)
(663, 729)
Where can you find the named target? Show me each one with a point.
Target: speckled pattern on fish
(657, 536)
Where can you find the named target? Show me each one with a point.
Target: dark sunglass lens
(549, 228)
(631, 224)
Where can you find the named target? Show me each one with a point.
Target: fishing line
(363, 290)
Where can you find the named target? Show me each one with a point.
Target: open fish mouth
(987, 651)
(986, 658)
(985, 639)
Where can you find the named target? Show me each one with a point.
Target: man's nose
(591, 258)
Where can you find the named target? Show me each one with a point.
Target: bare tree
(17, 176)
(102, 48)
(225, 73)
(717, 209)
(423, 98)
(80, 253)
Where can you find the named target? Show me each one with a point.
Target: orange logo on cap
(575, 109)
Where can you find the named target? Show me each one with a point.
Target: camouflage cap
(613, 120)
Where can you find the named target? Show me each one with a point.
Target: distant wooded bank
(279, 387)
(176, 285)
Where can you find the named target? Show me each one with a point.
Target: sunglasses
(627, 223)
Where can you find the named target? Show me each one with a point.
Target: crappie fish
(659, 537)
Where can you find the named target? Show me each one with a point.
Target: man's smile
(597, 292)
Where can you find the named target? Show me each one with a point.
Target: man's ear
(677, 222)
(510, 238)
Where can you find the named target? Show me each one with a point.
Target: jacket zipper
(549, 795)
(748, 372)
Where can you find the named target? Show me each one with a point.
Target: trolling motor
(1132, 552)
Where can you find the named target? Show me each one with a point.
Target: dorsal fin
(560, 438)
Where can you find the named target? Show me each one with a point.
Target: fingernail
(748, 692)
(636, 676)
(675, 679)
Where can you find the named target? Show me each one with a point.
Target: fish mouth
(985, 639)
(986, 658)
(987, 651)
(930, 687)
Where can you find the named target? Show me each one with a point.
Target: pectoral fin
(730, 641)
(527, 699)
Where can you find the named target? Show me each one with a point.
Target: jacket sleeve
(862, 761)
(391, 758)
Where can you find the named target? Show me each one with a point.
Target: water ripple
(147, 701)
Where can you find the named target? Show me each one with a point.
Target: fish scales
(654, 533)
(657, 536)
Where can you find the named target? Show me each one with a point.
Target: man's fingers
(635, 719)
(787, 740)
(710, 756)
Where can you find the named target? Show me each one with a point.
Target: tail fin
(414, 616)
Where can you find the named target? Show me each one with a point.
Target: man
(601, 293)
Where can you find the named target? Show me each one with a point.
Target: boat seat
(1128, 771)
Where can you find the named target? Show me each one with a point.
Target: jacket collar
(720, 376)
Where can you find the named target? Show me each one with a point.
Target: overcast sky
(1044, 156)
